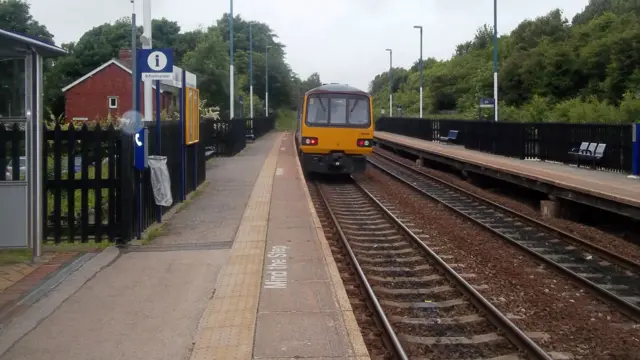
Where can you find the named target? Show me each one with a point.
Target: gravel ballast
(572, 320)
(595, 236)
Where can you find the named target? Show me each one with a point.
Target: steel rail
(624, 306)
(512, 332)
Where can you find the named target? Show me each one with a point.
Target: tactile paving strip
(227, 326)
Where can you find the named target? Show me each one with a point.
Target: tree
(15, 16)
(204, 52)
(313, 81)
(545, 64)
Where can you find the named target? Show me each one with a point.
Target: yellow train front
(335, 130)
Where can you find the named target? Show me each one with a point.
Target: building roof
(340, 88)
(124, 65)
(13, 44)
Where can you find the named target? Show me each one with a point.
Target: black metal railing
(223, 137)
(544, 141)
(82, 184)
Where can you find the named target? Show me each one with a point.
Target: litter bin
(160, 180)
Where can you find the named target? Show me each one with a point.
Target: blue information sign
(155, 64)
(140, 149)
(487, 102)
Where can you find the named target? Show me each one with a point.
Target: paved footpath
(147, 304)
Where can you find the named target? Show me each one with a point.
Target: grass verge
(14, 256)
(286, 120)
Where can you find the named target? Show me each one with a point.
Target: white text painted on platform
(276, 271)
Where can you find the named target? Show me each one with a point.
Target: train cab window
(358, 111)
(338, 110)
(318, 111)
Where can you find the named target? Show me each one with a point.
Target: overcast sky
(343, 40)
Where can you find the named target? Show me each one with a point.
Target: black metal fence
(185, 171)
(223, 137)
(259, 126)
(544, 141)
(82, 184)
(91, 185)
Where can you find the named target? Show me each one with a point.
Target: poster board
(192, 115)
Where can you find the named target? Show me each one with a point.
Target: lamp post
(231, 75)
(390, 92)
(146, 44)
(250, 72)
(420, 27)
(266, 91)
(495, 59)
(134, 63)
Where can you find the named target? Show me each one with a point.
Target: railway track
(425, 308)
(609, 275)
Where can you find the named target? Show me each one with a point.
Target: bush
(286, 120)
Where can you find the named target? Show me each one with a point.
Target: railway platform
(605, 190)
(243, 271)
(279, 295)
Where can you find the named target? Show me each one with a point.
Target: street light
(266, 91)
(231, 77)
(134, 61)
(250, 72)
(420, 27)
(390, 93)
(495, 59)
(146, 40)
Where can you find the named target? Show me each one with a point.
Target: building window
(113, 102)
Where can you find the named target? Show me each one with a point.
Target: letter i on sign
(157, 60)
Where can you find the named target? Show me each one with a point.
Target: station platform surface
(606, 185)
(241, 272)
(279, 295)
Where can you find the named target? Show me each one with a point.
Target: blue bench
(592, 152)
(451, 137)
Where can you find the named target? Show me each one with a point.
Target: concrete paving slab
(301, 335)
(301, 242)
(291, 211)
(216, 214)
(12, 334)
(144, 306)
(300, 313)
(298, 296)
(308, 270)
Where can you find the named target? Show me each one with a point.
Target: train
(334, 132)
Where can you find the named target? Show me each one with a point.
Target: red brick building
(107, 91)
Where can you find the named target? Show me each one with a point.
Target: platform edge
(353, 329)
(414, 143)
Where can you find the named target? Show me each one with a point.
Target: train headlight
(364, 143)
(310, 141)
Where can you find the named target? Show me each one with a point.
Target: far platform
(606, 190)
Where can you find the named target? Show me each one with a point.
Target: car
(9, 169)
